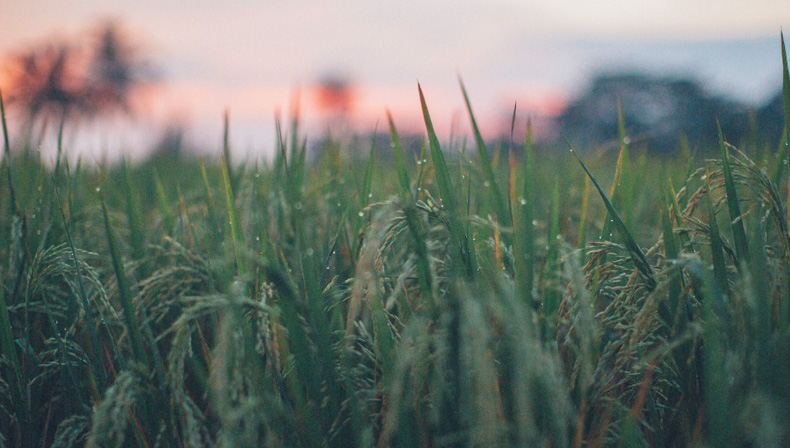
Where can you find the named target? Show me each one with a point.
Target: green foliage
(280, 304)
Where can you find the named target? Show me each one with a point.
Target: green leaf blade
(500, 203)
(736, 222)
(635, 252)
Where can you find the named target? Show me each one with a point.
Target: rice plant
(450, 302)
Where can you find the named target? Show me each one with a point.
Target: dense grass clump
(457, 300)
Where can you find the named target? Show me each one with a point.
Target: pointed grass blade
(736, 221)
(759, 284)
(124, 293)
(635, 252)
(716, 244)
(335, 241)
(614, 193)
(400, 161)
(511, 167)
(671, 251)
(162, 203)
(367, 182)
(136, 228)
(237, 236)
(212, 215)
(488, 170)
(500, 264)
(524, 228)
(785, 90)
(295, 112)
(582, 235)
(782, 152)
(447, 192)
(226, 147)
(364, 198)
(552, 296)
(7, 152)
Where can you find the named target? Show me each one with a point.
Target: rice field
(464, 297)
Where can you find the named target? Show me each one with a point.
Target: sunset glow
(250, 57)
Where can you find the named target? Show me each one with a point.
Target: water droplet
(522, 201)
(38, 232)
(338, 204)
(370, 195)
(257, 238)
(486, 184)
(98, 189)
(419, 188)
(310, 252)
(298, 206)
(361, 214)
(534, 222)
(327, 268)
(627, 140)
(424, 160)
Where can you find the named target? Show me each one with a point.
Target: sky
(252, 57)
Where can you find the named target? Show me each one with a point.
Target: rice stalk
(461, 240)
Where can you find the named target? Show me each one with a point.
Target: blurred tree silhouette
(115, 70)
(59, 79)
(43, 80)
(335, 95)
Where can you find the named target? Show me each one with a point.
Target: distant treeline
(662, 112)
